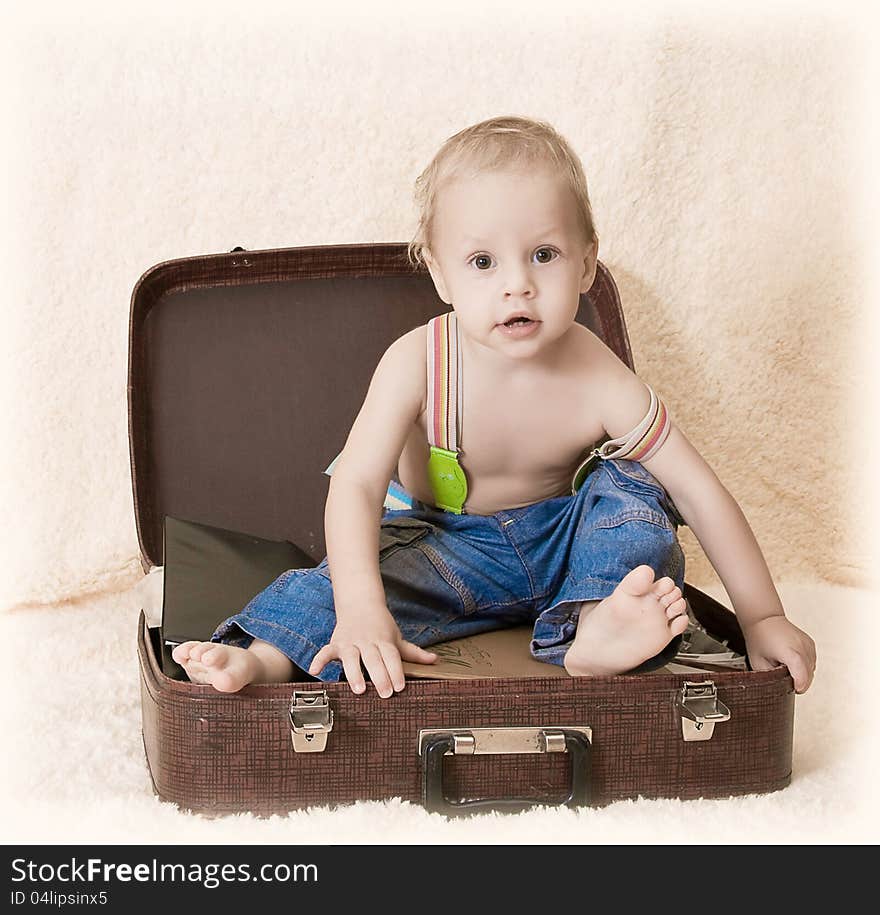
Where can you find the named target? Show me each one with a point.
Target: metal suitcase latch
(700, 710)
(311, 720)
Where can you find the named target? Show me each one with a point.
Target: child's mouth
(518, 327)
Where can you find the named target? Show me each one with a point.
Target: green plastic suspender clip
(445, 474)
(585, 469)
(447, 479)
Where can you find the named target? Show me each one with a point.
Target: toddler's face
(507, 243)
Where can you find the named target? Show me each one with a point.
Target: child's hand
(774, 640)
(372, 637)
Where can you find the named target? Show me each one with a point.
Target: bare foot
(632, 624)
(228, 668)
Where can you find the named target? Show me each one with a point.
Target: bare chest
(529, 433)
(520, 443)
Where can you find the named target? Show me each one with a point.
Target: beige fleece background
(727, 158)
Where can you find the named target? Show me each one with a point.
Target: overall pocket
(635, 478)
(632, 475)
(394, 535)
(400, 532)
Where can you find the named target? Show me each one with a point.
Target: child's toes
(197, 652)
(213, 655)
(664, 586)
(638, 581)
(181, 652)
(677, 608)
(678, 625)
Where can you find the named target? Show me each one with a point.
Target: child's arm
(719, 525)
(365, 630)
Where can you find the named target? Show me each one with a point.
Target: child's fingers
(391, 657)
(375, 664)
(799, 670)
(410, 652)
(759, 662)
(811, 648)
(351, 664)
(320, 660)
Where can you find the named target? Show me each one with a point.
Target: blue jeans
(448, 576)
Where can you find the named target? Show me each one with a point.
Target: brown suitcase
(246, 371)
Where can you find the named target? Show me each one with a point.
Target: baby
(496, 534)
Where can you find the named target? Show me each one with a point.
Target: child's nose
(518, 282)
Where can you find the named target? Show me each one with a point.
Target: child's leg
(272, 640)
(277, 635)
(228, 668)
(620, 606)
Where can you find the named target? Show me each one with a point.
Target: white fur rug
(75, 770)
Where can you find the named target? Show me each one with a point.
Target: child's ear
(589, 276)
(437, 276)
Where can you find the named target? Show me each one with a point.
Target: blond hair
(492, 145)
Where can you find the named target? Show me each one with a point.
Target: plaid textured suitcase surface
(234, 410)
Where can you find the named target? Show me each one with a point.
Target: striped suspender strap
(645, 440)
(642, 443)
(444, 382)
(445, 474)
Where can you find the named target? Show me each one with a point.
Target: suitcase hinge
(311, 720)
(700, 710)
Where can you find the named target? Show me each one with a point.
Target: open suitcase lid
(247, 369)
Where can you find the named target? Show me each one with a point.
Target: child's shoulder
(620, 395)
(598, 361)
(404, 364)
(412, 345)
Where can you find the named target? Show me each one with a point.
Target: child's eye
(549, 251)
(484, 261)
(481, 261)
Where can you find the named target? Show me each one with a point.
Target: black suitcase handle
(435, 746)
